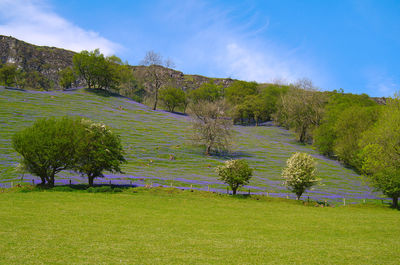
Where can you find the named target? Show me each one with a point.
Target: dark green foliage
(9, 75)
(67, 78)
(346, 117)
(48, 147)
(172, 97)
(98, 71)
(239, 90)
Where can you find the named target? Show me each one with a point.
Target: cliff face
(50, 60)
(45, 60)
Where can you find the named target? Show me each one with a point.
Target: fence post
(267, 194)
(70, 182)
(249, 191)
(33, 182)
(344, 201)
(208, 187)
(287, 196)
(110, 182)
(227, 190)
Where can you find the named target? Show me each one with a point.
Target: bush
(172, 97)
(235, 173)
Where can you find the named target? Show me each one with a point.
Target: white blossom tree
(300, 173)
(235, 173)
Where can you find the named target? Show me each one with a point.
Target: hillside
(50, 60)
(151, 137)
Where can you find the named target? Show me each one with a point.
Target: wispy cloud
(234, 41)
(35, 22)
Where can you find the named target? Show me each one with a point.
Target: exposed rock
(45, 60)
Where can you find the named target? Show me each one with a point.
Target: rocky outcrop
(45, 60)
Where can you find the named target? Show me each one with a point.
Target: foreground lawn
(158, 227)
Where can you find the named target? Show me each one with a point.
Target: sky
(348, 44)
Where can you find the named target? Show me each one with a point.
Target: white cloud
(34, 22)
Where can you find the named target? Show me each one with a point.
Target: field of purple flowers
(151, 138)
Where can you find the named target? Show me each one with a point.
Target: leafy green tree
(206, 92)
(9, 75)
(300, 173)
(99, 149)
(48, 147)
(326, 135)
(235, 173)
(172, 97)
(349, 127)
(381, 151)
(67, 78)
(98, 71)
(238, 90)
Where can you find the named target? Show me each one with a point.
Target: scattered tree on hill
(239, 90)
(155, 74)
(381, 152)
(48, 147)
(67, 78)
(9, 75)
(98, 71)
(235, 173)
(206, 92)
(211, 125)
(300, 173)
(336, 126)
(99, 149)
(172, 97)
(301, 108)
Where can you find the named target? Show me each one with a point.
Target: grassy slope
(151, 136)
(190, 228)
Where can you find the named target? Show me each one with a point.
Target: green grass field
(150, 137)
(154, 226)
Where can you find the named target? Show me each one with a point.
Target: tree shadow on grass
(103, 92)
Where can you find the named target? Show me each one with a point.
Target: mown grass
(151, 137)
(169, 226)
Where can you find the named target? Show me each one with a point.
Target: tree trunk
(90, 178)
(155, 100)
(234, 190)
(43, 180)
(208, 150)
(395, 202)
(50, 182)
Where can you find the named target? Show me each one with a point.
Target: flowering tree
(235, 173)
(300, 173)
(99, 149)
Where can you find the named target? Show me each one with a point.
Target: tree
(98, 71)
(211, 125)
(238, 90)
(381, 152)
(155, 74)
(99, 149)
(300, 173)
(9, 75)
(206, 92)
(48, 147)
(235, 173)
(301, 108)
(67, 78)
(172, 97)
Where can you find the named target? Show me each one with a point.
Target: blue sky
(351, 44)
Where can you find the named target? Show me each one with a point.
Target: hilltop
(48, 61)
